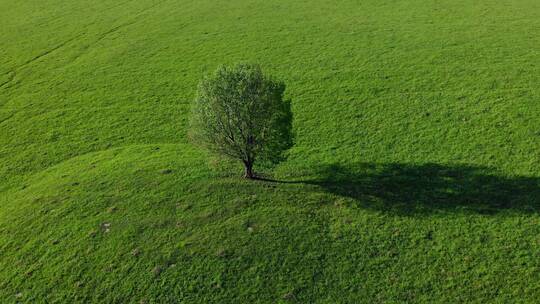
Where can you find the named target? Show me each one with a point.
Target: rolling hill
(415, 176)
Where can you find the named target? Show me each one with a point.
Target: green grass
(415, 176)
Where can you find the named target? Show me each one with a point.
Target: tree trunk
(249, 170)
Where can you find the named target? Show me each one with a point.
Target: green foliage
(240, 113)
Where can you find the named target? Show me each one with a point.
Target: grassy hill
(415, 176)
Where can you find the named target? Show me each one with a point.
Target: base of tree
(248, 173)
(252, 176)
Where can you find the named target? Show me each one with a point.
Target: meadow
(415, 175)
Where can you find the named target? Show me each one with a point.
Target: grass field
(415, 176)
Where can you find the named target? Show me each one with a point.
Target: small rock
(288, 296)
(19, 295)
(157, 270)
(111, 209)
(250, 229)
(106, 227)
(135, 252)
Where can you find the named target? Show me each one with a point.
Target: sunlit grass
(414, 178)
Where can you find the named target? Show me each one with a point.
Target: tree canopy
(239, 112)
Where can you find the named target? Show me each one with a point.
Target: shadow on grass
(429, 188)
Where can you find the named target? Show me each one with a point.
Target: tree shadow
(430, 188)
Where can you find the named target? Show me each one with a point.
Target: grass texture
(415, 176)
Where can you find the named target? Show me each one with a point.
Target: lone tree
(240, 113)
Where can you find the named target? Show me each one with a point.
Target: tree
(240, 113)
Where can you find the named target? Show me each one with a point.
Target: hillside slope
(415, 176)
